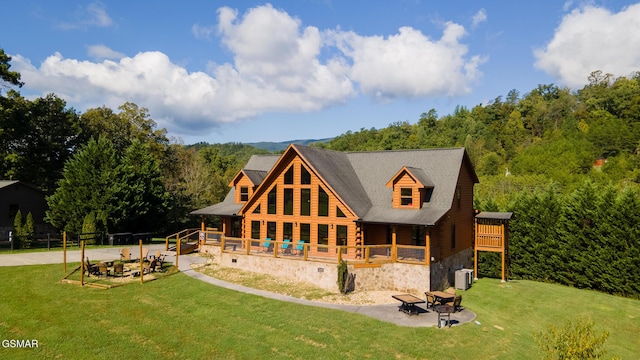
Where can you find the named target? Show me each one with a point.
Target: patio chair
(266, 245)
(158, 256)
(103, 269)
(91, 269)
(150, 267)
(431, 300)
(286, 246)
(118, 269)
(125, 254)
(300, 247)
(457, 300)
(145, 253)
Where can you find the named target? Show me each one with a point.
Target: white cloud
(409, 64)
(94, 14)
(203, 32)
(479, 18)
(590, 39)
(103, 52)
(278, 65)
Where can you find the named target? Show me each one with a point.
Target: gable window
(323, 202)
(339, 212)
(406, 196)
(244, 193)
(305, 202)
(323, 237)
(288, 176)
(305, 176)
(271, 201)
(288, 201)
(257, 209)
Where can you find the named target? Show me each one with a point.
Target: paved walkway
(387, 313)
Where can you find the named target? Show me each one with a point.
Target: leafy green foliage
(125, 189)
(577, 341)
(8, 77)
(89, 228)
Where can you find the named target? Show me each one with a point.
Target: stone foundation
(443, 272)
(401, 277)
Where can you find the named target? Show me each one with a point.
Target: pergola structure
(491, 234)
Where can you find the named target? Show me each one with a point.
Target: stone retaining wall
(401, 277)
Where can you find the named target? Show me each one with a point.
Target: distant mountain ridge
(280, 146)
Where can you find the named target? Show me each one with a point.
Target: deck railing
(489, 241)
(363, 254)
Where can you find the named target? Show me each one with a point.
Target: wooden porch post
(202, 226)
(475, 248)
(394, 249)
(504, 250)
(427, 244)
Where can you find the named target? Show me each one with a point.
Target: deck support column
(394, 248)
(427, 247)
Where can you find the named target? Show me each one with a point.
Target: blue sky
(247, 71)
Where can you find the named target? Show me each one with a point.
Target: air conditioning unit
(469, 273)
(463, 279)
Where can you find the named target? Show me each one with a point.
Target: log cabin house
(403, 220)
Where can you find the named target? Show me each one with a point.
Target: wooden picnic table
(442, 297)
(409, 302)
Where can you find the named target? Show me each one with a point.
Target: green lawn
(179, 317)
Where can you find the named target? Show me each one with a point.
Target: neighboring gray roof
(360, 178)
(495, 215)
(4, 183)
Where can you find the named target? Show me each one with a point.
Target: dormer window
(244, 193)
(406, 196)
(411, 188)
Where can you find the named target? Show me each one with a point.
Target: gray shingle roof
(256, 169)
(360, 178)
(495, 215)
(375, 169)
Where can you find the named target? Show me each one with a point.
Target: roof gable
(418, 175)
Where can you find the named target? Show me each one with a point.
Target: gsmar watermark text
(19, 343)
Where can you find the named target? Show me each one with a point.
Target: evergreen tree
(17, 229)
(89, 228)
(28, 230)
(92, 180)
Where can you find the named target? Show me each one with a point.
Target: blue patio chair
(286, 247)
(300, 247)
(267, 244)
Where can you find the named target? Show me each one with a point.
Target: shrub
(342, 277)
(572, 342)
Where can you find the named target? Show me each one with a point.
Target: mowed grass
(178, 317)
